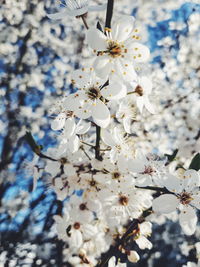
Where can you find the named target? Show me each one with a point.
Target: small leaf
(195, 163)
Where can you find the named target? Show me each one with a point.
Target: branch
(109, 13)
(35, 147)
(154, 188)
(97, 146)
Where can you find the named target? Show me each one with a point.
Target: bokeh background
(36, 57)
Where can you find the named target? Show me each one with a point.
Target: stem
(109, 13)
(154, 188)
(87, 144)
(97, 146)
(83, 17)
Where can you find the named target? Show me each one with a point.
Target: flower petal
(114, 91)
(73, 143)
(188, 220)
(69, 127)
(122, 29)
(166, 203)
(59, 122)
(101, 114)
(82, 127)
(81, 78)
(96, 39)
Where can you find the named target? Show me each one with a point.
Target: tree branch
(109, 13)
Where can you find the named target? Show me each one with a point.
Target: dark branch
(109, 13)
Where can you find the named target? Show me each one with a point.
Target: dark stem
(83, 17)
(109, 13)
(97, 146)
(154, 188)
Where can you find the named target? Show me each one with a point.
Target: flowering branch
(133, 225)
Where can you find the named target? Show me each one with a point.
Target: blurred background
(36, 57)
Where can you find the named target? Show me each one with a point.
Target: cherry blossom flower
(142, 88)
(71, 132)
(75, 8)
(186, 197)
(144, 231)
(148, 169)
(118, 50)
(121, 147)
(90, 99)
(127, 112)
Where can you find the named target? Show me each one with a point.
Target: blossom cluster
(104, 180)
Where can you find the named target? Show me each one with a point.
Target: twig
(154, 188)
(83, 17)
(109, 13)
(97, 146)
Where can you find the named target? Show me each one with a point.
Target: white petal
(122, 29)
(73, 101)
(101, 114)
(188, 220)
(81, 78)
(59, 122)
(136, 166)
(143, 243)
(102, 66)
(59, 15)
(190, 180)
(196, 200)
(166, 203)
(76, 239)
(146, 84)
(127, 125)
(140, 103)
(173, 184)
(69, 127)
(96, 39)
(125, 69)
(107, 138)
(82, 127)
(133, 257)
(84, 111)
(69, 169)
(139, 52)
(73, 143)
(114, 91)
(148, 105)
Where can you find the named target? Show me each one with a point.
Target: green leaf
(195, 163)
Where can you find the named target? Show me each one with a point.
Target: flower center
(93, 93)
(82, 206)
(148, 170)
(93, 183)
(123, 200)
(139, 90)
(116, 175)
(185, 198)
(77, 225)
(114, 49)
(69, 114)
